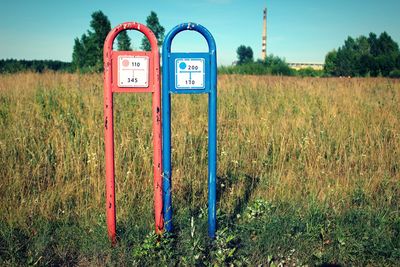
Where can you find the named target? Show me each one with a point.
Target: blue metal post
(211, 89)
(212, 151)
(166, 139)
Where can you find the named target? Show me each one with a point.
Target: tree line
(365, 56)
(271, 65)
(14, 65)
(370, 56)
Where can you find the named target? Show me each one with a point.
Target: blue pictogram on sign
(182, 65)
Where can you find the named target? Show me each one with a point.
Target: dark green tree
(153, 24)
(123, 41)
(330, 63)
(388, 51)
(101, 27)
(361, 56)
(386, 45)
(88, 51)
(364, 56)
(78, 55)
(277, 65)
(366, 65)
(346, 63)
(244, 54)
(373, 44)
(398, 62)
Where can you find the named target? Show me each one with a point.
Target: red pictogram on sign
(125, 63)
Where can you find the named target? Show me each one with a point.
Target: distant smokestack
(264, 37)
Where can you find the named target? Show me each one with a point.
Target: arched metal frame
(210, 88)
(110, 86)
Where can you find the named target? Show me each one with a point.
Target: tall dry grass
(290, 139)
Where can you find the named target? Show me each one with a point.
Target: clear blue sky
(300, 31)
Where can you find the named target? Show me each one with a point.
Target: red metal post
(110, 87)
(156, 110)
(109, 143)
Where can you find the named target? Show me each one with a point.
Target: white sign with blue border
(189, 73)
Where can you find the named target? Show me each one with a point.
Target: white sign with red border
(133, 71)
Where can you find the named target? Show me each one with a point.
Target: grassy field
(308, 173)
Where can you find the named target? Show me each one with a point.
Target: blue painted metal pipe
(212, 161)
(210, 87)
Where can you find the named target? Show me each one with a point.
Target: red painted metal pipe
(111, 86)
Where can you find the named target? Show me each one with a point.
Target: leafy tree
(330, 63)
(367, 65)
(395, 73)
(386, 45)
(398, 62)
(373, 66)
(153, 24)
(364, 56)
(346, 63)
(361, 56)
(88, 51)
(271, 65)
(309, 72)
(277, 65)
(244, 54)
(78, 55)
(388, 53)
(123, 41)
(373, 44)
(101, 27)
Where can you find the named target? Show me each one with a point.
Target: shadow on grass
(226, 183)
(55, 243)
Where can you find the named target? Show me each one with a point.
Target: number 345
(132, 80)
